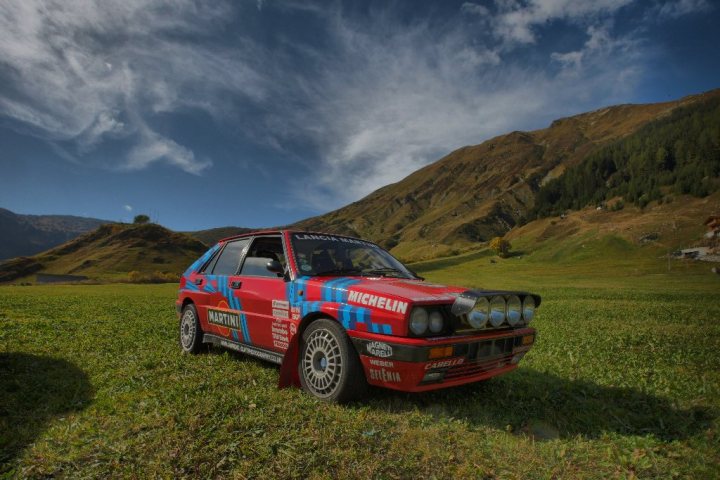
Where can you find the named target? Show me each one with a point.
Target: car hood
(412, 291)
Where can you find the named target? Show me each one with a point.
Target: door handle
(198, 281)
(235, 284)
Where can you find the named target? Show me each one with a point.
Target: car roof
(279, 232)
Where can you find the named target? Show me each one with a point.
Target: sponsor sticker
(281, 313)
(379, 349)
(224, 318)
(280, 335)
(281, 304)
(382, 363)
(382, 375)
(444, 363)
(383, 303)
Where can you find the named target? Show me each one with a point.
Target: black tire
(328, 364)
(191, 335)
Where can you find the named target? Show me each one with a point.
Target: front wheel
(329, 367)
(190, 331)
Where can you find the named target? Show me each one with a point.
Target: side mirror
(275, 267)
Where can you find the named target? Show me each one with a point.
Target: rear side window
(229, 259)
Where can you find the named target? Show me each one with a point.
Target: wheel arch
(288, 369)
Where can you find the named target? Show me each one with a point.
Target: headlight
(480, 314)
(497, 311)
(514, 310)
(528, 308)
(419, 320)
(436, 322)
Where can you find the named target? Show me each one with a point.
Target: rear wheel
(190, 331)
(329, 367)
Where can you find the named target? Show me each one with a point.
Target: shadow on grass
(33, 390)
(545, 407)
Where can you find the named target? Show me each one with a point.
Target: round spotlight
(497, 311)
(528, 308)
(480, 314)
(436, 322)
(514, 310)
(419, 320)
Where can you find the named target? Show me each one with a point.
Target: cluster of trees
(680, 153)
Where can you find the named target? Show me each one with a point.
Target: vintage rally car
(339, 313)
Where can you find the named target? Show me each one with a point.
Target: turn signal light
(440, 352)
(528, 339)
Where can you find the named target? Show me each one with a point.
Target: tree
(500, 246)
(141, 219)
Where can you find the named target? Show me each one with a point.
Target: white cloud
(128, 208)
(474, 9)
(81, 71)
(515, 22)
(677, 8)
(599, 48)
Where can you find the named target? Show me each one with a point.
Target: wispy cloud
(516, 22)
(677, 8)
(128, 208)
(83, 71)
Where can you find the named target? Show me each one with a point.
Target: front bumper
(416, 365)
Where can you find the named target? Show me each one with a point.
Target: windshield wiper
(385, 272)
(339, 271)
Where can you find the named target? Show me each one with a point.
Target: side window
(262, 251)
(229, 259)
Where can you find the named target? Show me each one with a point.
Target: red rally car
(339, 313)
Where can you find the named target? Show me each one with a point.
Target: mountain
(110, 252)
(24, 235)
(478, 192)
(210, 236)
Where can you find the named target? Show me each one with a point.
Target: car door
(263, 295)
(222, 311)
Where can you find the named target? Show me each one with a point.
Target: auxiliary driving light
(497, 311)
(514, 310)
(528, 308)
(480, 314)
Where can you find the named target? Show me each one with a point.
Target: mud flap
(289, 376)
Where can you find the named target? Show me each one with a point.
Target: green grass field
(624, 382)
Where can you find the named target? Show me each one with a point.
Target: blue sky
(260, 113)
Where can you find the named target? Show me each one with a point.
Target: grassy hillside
(478, 192)
(111, 252)
(623, 382)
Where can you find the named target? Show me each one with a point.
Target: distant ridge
(24, 235)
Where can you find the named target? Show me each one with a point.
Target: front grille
(483, 356)
(470, 369)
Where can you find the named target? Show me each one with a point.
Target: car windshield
(334, 255)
